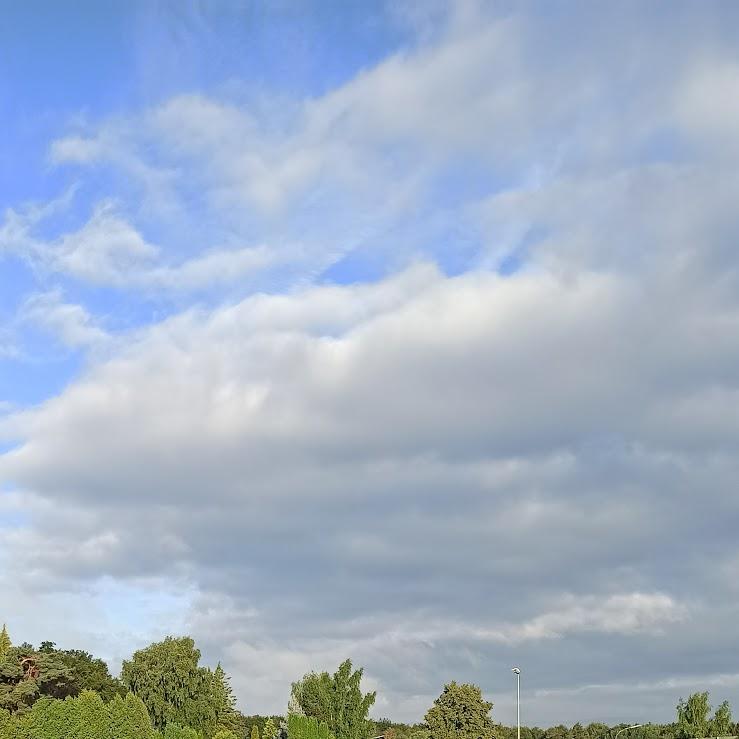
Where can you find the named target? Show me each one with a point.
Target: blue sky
(400, 331)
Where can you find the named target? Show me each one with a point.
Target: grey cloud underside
(413, 486)
(442, 476)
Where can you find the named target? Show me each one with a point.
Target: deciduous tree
(721, 723)
(460, 712)
(337, 700)
(175, 689)
(692, 716)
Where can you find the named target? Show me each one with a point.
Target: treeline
(164, 693)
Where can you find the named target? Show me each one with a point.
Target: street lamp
(626, 728)
(517, 672)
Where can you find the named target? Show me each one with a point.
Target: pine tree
(224, 701)
(26, 676)
(5, 643)
(270, 729)
(254, 732)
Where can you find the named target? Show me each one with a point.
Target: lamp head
(516, 670)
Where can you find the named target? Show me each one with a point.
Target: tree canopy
(25, 676)
(460, 712)
(90, 673)
(175, 689)
(336, 700)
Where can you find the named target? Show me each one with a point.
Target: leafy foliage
(306, 727)
(270, 729)
(175, 689)
(89, 717)
(129, 718)
(721, 723)
(460, 713)
(25, 676)
(89, 673)
(692, 716)
(50, 718)
(336, 700)
(175, 731)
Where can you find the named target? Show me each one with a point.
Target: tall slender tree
(227, 716)
(5, 643)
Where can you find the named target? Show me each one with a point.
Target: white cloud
(70, 322)
(104, 251)
(510, 466)
(473, 441)
(107, 250)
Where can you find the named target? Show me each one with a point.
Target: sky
(404, 331)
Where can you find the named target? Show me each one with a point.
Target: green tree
(25, 676)
(225, 734)
(692, 716)
(460, 713)
(175, 731)
(254, 732)
(270, 729)
(49, 718)
(17, 727)
(88, 717)
(175, 689)
(306, 727)
(129, 718)
(722, 723)
(336, 700)
(90, 673)
(5, 643)
(227, 717)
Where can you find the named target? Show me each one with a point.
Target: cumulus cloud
(336, 460)
(515, 445)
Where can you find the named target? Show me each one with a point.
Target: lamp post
(626, 728)
(517, 672)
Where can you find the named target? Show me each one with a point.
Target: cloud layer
(436, 369)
